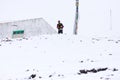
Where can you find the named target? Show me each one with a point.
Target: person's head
(58, 21)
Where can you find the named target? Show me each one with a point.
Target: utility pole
(110, 19)
(75, 31)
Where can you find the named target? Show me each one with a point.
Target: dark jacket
(60, 26)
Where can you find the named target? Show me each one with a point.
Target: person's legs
(58, 31)
(61, 31)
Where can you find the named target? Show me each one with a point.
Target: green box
(18, 32)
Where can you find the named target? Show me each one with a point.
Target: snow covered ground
(60, 57)
(94, 15)
(63, 57)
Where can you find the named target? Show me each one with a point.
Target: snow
(59, 57)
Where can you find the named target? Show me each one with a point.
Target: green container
(18, 32)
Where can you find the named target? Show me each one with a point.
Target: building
(25, 28)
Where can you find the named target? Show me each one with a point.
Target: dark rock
(116, 42)
(112, 74)
(101, 77)
(79, 73)
(63, 61)
(27, 70)
(32, 76)
(102, 69)
(50, 76)
(97, 39)
(81, 61)
(19, 39)
(40, 77)
(8, 40)
(88, 70)
(83, 71)
(107, 78)
(92, 61)
(25, 38)
(110, 54)
(46, 38)
(80, 40)
(60, 75)
(110, 40)
(88, 59)
(33, 69)
(99, 69)
(93, 70)
(115, 69)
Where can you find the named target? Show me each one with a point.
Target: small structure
(25, 28)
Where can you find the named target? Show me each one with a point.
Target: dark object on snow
(92, 61)
(101, 77)
(60, 27)
(50, 76)
(107, 78)
(115, 69)
(63, 61)
(116, 42)
(102, 69)
(40, 77)
(8, 40)
(83, 71)
(60, 75)
(79, 73)
(81, 61)
(92, 70)
(110, 54)
(80, 40)
(27, 70)
(32, 76)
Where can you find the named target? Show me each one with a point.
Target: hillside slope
(60, 57)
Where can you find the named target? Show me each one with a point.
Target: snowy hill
(60, 57)
(63, 57)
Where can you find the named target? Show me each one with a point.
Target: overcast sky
(94, 14)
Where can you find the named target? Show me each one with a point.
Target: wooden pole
(76, 18)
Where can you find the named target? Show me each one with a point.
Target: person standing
(60, 27)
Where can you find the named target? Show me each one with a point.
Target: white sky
(94, 14)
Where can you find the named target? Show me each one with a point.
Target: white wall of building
(31, 27)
